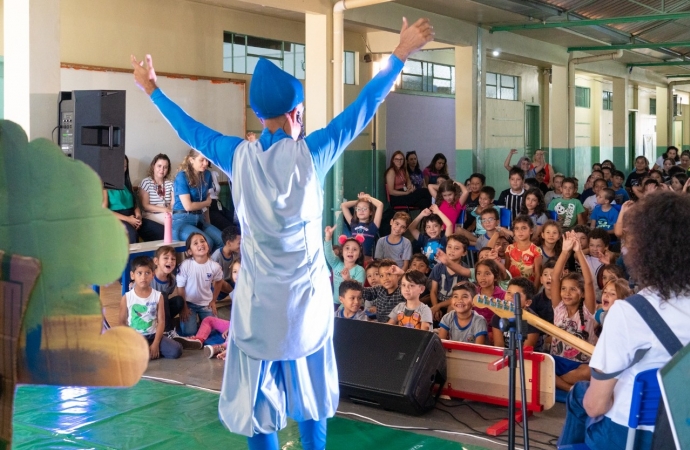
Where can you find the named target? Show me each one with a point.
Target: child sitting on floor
(525, 289)
(142, 309)
(463, 324)
(211, 323)
(199, 283)
(164, 282)
(226, 254)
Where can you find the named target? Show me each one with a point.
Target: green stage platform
(155, 415)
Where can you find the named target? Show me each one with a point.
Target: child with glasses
(366, 221)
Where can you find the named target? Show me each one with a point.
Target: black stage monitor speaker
(391, 367)
(92, 130)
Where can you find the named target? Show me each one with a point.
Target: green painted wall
(620, 158)
(686, 147)
(492, 167)
(596, 155)
(464, 164)
(660, 150)
(561, 160)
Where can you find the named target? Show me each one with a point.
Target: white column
(32, 64)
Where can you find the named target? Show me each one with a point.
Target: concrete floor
(195, 369)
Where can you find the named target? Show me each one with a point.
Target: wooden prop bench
(474, 373)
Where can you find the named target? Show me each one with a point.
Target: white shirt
(624, 334)
(197, 280)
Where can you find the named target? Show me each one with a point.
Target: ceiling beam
(660, 64)
(630, 46)
(590, 22)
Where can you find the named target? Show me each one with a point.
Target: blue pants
(599, 433)
(167, 347)
(312, 432)
(190, 326)
(185, 224)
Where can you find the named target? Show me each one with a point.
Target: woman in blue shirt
(192, 183)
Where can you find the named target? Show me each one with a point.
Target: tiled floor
(194, 369)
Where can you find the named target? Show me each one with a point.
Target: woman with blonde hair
(191, 186)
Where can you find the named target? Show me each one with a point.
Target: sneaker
(172, 334)
(189, 343)
(213, 350)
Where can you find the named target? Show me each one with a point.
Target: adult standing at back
(156, 195)
(401, 191)
(280, 359)
(192, 183)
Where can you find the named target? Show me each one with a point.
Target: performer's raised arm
(327, 144)
(215, 146)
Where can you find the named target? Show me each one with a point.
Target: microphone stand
(515, 329)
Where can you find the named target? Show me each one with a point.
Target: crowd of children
(554, 244)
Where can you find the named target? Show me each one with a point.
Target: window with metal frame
(502, 87)
(426, 76)
(581, 97)
(241, 53)
(607, 97)
(652, 107)
(349, 63)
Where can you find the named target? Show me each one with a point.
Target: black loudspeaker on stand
(390, 367)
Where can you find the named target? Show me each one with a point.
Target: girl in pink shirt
(451, 197)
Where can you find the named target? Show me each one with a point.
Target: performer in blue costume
(280, 361)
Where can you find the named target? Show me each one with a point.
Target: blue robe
(280, 357)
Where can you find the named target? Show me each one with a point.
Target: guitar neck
(506, 309)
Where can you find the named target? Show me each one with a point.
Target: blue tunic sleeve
(219, 149)
(327, 144)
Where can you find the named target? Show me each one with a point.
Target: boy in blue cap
(280, 361)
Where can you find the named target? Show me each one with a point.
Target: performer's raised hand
(144, 75)
(413, 37)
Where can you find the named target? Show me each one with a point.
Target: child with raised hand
(381, 299)
(395, 246)
(229, 252)
(463, 324)
(199, 282)
(142, 309)
(534, 207)
(525, 289)
(350, 292)
(451, 197)
(604, 215)
(366, 221)
(523, 258)
(351, 258)
(569, 209)
(164, 282)
(433, 237)
(443, 278)
(550, 240)
(574, 303)
(412, 313)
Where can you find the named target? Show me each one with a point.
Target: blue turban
(272, 91)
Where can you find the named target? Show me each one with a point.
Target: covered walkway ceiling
(666, 22)
(662, 35)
